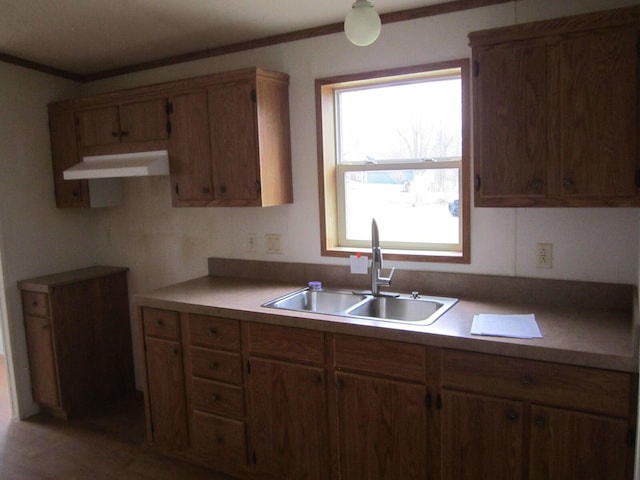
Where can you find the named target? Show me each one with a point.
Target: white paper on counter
(515, 326)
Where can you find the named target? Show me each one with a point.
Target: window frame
(326, 124)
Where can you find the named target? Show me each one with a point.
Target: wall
(35, 237)
(163, 245)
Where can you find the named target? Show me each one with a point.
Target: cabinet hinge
(476, 68)
(438, 402)
(254, 95)
(428, 400)
(631, 438)
(168, 128)
(169, 108)
(258, 186)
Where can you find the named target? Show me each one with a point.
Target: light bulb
(362, 25)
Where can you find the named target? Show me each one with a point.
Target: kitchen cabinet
(215, 387)
(381, 397)
(189, 150)
(288, 412)
(165, 397)
(523, 419)
(78, 339)
(227, 134)
(249, 134)
(138, 121)
(555, 109)
(64, 154)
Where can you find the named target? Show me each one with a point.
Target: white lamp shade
(362, 25)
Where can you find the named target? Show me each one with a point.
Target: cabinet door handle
(477, 183)
(158, 322)
(539, 421)
(212, 332)
(206, 189)
(339, 384)
(513, 416)
(526, 380)
(214, 365)
(568, 183)
(215, 397)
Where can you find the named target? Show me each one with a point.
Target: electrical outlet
(544, 255)
(252, 243)
(273, 243)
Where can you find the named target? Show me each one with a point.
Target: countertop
(46, 282)
(586, 336)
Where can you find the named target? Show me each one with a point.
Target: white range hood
(139, 164)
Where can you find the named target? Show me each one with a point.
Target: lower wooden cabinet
(262, 401)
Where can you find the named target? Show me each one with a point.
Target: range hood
(139, 164)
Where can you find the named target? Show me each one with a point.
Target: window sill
(401, 255)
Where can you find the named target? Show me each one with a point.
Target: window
(393, 145)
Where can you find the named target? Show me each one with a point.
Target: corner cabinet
(78, 339)
(227, 134)
(555, 112)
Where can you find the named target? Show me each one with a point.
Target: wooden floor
(109, 446)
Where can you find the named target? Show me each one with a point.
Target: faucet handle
(387, 280)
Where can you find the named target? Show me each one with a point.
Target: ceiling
(85, 37)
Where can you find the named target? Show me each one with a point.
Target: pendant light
(362, 25)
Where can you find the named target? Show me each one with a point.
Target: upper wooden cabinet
(555, 112)
(130, 122)
(227, 135)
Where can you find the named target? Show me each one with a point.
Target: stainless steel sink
(320, 301)
(422, 310)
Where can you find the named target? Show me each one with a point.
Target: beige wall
(164, 245)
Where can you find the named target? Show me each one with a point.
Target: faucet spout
(377, 280)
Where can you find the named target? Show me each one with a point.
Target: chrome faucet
(377, 280)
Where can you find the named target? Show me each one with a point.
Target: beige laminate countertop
(602, 338)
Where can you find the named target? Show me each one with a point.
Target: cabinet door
(143, 121)
(572, 445)
(599, 92)
(64, 150)
(166, 394)
(99, 126)
(510, 91)
(288, 420)
(42, 361)
(234, 143)
(482, 437)
(382, 428)
(189, 148)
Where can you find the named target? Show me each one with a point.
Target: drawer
(575, 387)
(219, 398)
(287, 343)
(380, 357)
(214, 332)
(216, 365)
(161, 323)
(35, 303)
(220, 440)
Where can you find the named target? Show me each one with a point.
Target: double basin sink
(414, 309)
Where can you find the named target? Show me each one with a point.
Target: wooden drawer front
(220, 440)
(287, 343)
(161, 323)
(581, 388)
(218, 398)
(380, 357)
(216, 365)
(214, 332)
(35, 303)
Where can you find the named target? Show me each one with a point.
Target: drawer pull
(526, 380)
(215, 397)
(539, 421)
(214, 365)
(317, 379)
(212, 332)
(175, 350)
(339, 384)
(158, 322)
(219, 439)
(513, 416)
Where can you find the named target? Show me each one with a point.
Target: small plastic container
(314, 288)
